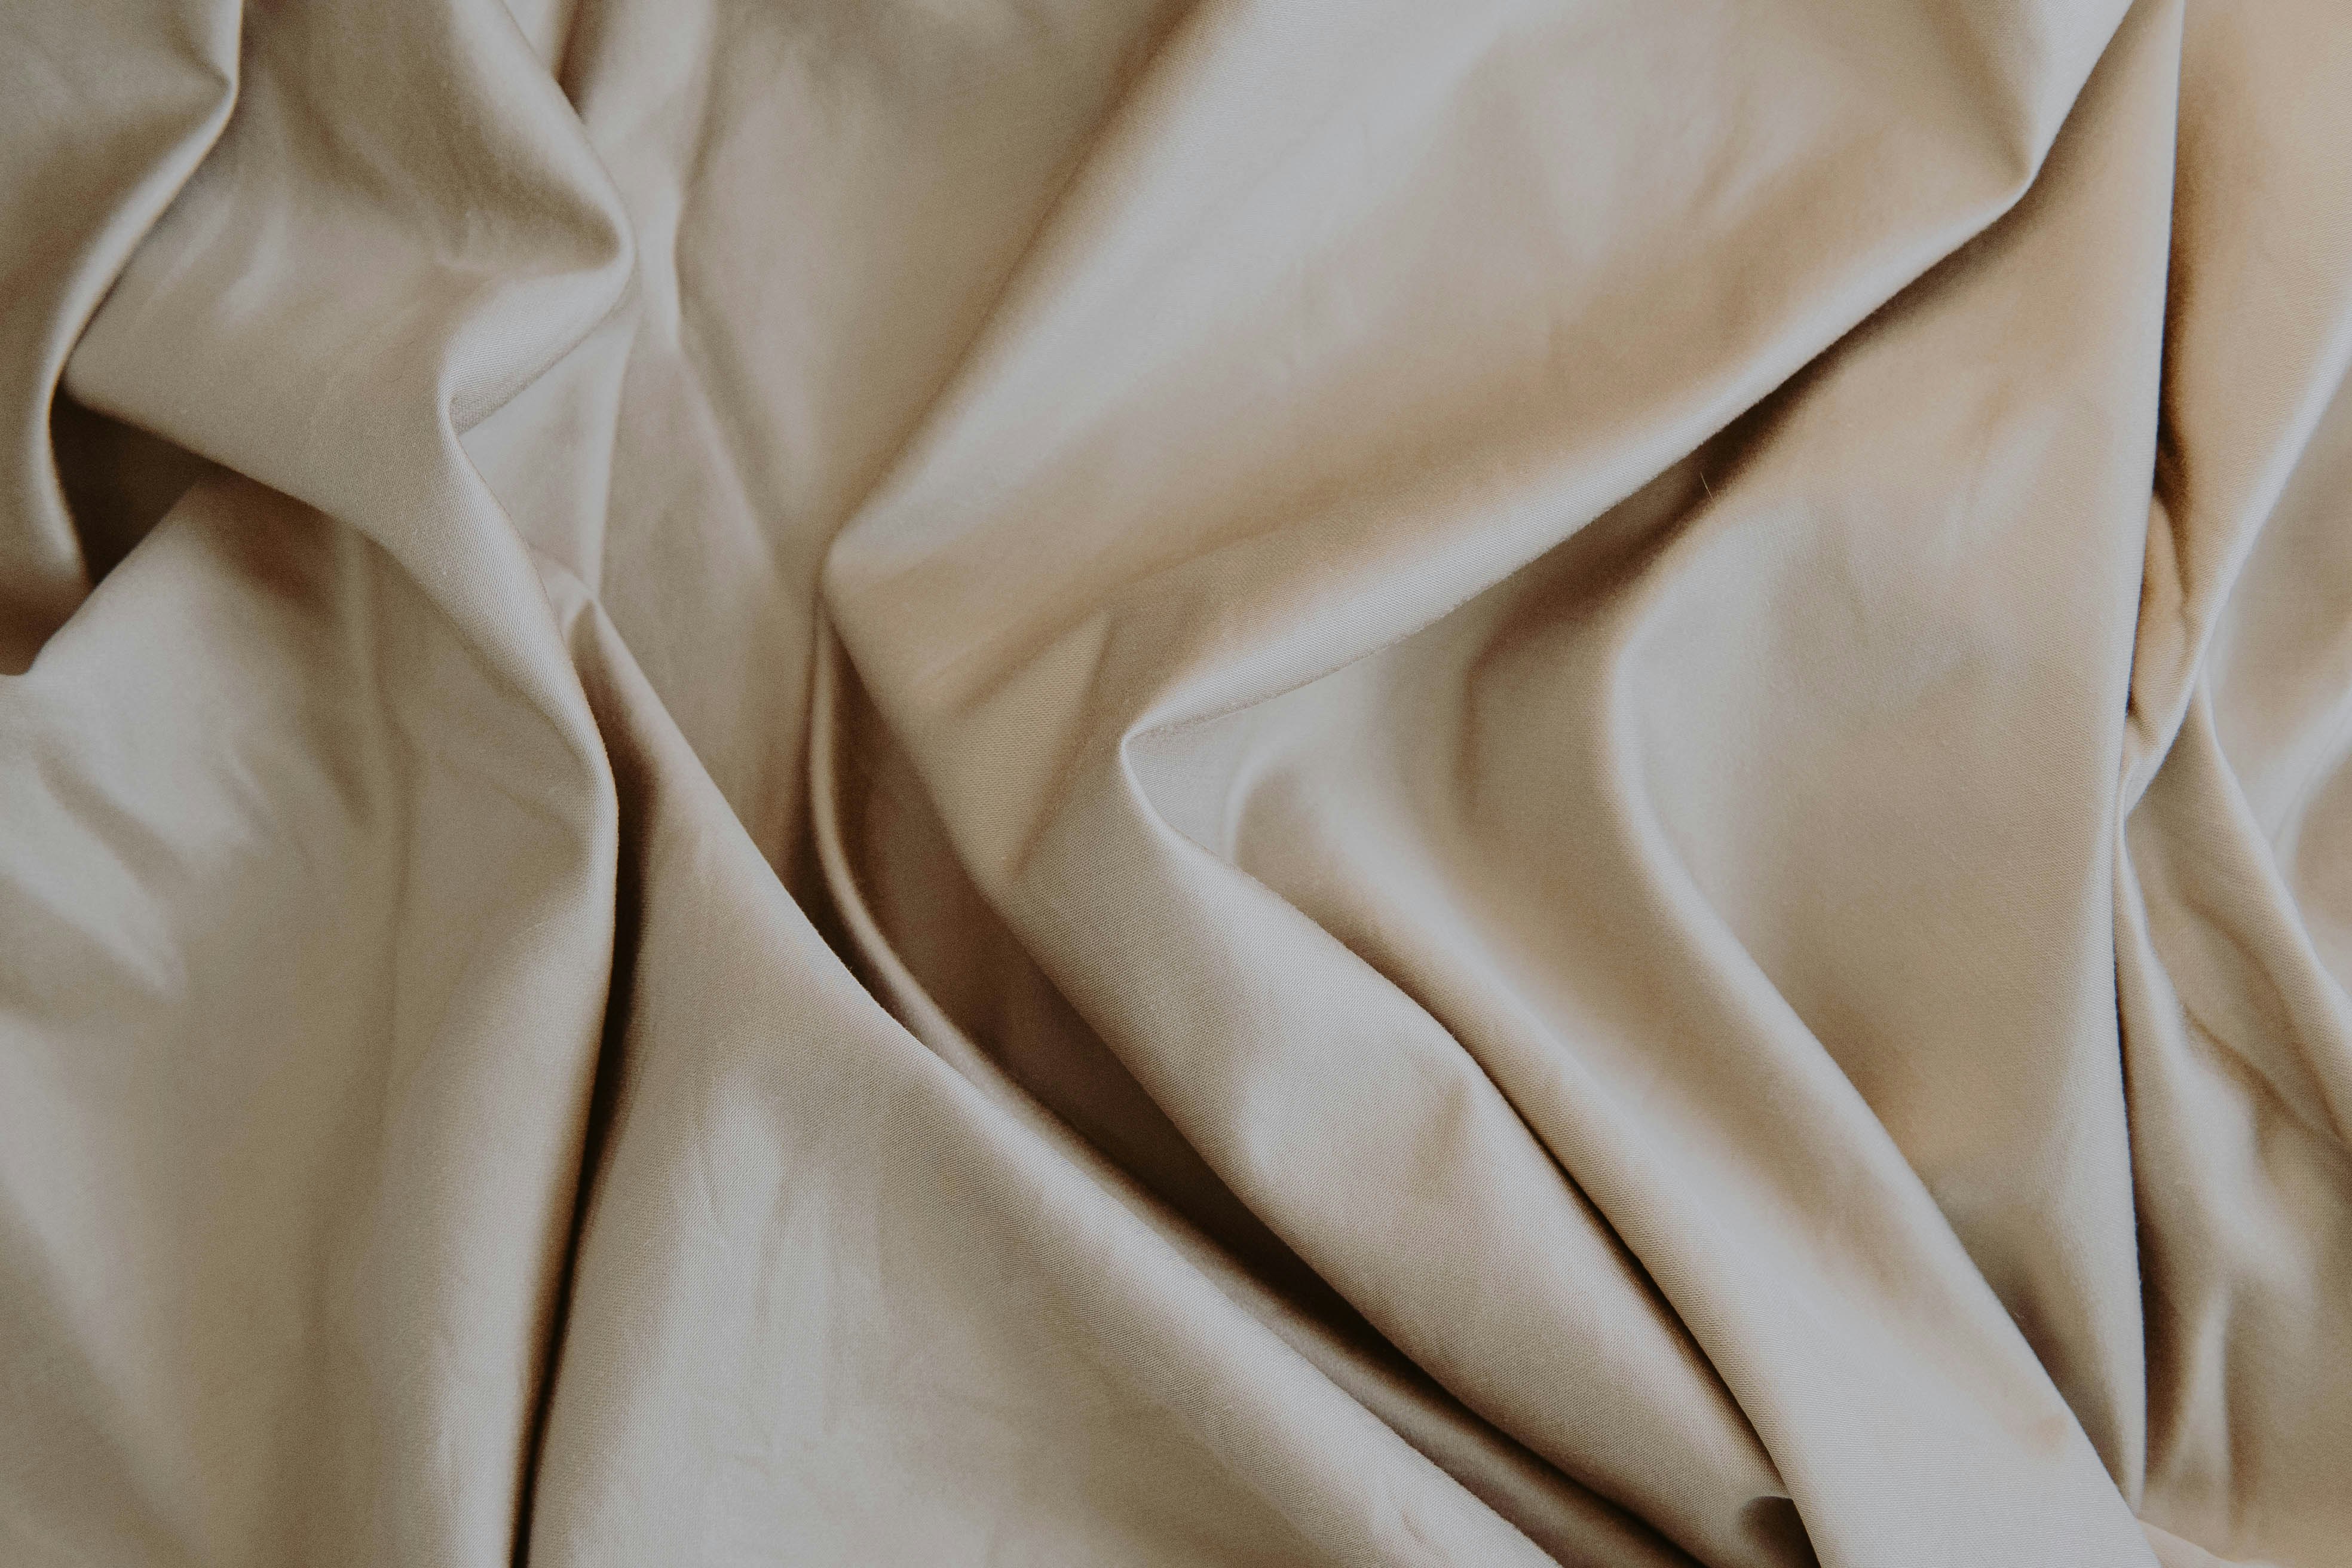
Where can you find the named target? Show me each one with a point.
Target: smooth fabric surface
(1014, 782)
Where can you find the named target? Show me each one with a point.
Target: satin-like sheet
(1055, 782)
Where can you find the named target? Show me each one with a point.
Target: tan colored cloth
(1065, 782)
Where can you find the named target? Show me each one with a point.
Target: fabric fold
(937, 782)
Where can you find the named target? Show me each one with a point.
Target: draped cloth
(1069, 782)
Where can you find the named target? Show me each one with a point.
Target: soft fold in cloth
(1070, 781)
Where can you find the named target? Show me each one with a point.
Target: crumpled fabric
(988, 781)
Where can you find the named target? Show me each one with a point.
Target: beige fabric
(1007, 782)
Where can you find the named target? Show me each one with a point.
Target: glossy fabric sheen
(1069, 782)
